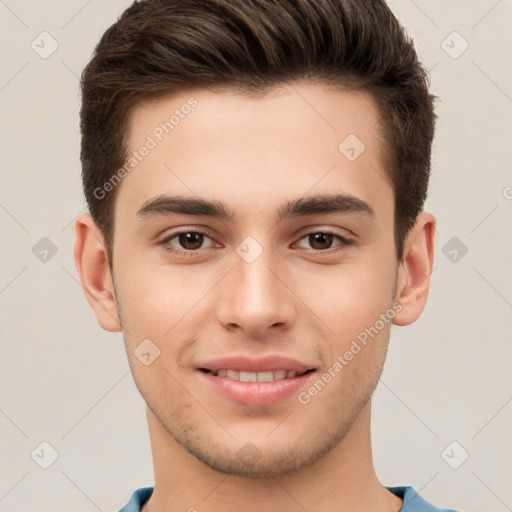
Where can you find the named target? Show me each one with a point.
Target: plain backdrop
(442, 412)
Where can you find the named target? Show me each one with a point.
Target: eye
(190, 242)
(321, 241)
(186, 242)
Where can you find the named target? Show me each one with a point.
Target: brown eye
(324, 241)
(191, 240)
(188, 242)
(320, 241)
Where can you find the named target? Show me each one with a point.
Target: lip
(256, 393)
(269, 363)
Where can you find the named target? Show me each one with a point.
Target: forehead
(300, 108)
(219, 143)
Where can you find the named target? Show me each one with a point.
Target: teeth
(267, 376)
(248, 377)
(256, 376)
(280, 374)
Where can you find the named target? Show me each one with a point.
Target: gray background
(65, 381)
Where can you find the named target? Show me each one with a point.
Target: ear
(413, 279)
(91, 260)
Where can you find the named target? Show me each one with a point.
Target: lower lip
(256, 393)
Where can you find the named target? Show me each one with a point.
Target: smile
(265, 376)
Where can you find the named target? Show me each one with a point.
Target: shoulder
(413, 502)
(139, 497)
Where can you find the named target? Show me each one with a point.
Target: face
(286, 270)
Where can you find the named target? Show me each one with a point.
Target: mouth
(263, 376)
(255, 382)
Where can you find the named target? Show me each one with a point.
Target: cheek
(155, 299)
(154, 310)
(353, 299)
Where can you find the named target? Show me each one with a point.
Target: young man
(255, 172)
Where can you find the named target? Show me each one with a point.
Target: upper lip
(267, 363)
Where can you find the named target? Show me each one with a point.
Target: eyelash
(181, 252)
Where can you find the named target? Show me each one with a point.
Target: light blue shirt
(413, 502)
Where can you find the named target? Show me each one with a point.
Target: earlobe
(91, 262)
(413, 280)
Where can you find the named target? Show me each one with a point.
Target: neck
(343, 480)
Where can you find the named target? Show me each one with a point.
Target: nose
(254, 297)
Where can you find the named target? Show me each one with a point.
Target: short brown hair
(162, 47)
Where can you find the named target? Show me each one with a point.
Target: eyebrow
(335, 203)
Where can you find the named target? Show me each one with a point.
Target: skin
(296, 299)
